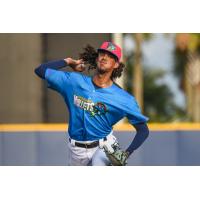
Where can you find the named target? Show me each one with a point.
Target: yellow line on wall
(118, 127)
(32, 127)
(163, 127)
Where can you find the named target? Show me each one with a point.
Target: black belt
(88, 145)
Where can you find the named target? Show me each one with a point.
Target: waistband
(90, 144)
(86, 145)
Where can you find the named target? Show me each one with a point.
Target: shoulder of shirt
(122, 91)
(77, 74)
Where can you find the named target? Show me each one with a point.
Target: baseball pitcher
(95, 105)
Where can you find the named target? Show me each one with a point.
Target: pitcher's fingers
(80, 61)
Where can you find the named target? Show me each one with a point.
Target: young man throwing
(95, 105)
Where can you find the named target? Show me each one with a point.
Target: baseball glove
(117, 157)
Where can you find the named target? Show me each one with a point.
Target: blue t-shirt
(92, 110)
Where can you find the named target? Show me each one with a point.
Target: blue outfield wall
(162, 148)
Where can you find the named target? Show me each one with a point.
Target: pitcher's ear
(116, 65)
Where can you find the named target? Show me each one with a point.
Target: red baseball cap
(112, 48)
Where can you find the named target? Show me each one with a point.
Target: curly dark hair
(90, 55)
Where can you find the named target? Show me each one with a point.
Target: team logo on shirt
(93, 108)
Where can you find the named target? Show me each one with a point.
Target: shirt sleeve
(133, 113)
(57, 80)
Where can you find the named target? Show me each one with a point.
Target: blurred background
(162, 72)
